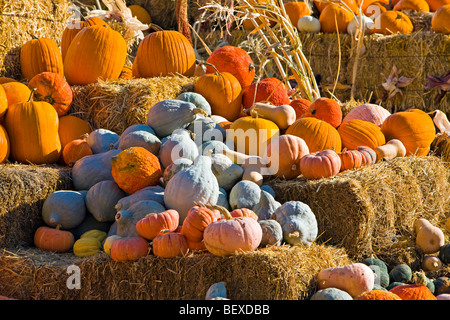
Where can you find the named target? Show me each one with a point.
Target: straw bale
(117, 104)
(371, 211)
(275, 273)
(22, 19)
(23, 189)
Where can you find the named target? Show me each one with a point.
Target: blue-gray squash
(269, 189)
(298, 222)
(244, 194)
(196, 183)
(266, 206)
(102, 140)
(64, 208)
(331, 294)
(140, 138)
(216, 290)
(226, 172)
(213, 147)
(102, 198)
(205, 129)
(223, 199)
(174, 167)
(155, 193)
(178, 145)
(272, 233)
(197, 99)
(92, 169)
(170, 114)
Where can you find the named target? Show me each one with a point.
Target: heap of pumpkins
(378, 16)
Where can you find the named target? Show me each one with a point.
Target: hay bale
(117, 104)
(371, 211)
(22, 19)
(24, 189)
(277, 273)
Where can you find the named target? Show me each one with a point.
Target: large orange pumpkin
(3, 103)
(223, 92)
(325, 109)
(32, 128)
(412, 5)
(270, 90)
(233, 60)
(4, 145)
(318, 134)
(295, 10)
(165, 53)
(392, 22)
(414, 129)
(135, 168)
(355, 133)
(440, 20)
(96, 52)
(300, 106)
(40, 55)
(72, 128)
(54, 89)
(335, 17)
(16, 92)
(436, 4)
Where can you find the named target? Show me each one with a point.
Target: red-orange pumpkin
(270, 90)
(152, 224)
(129, 248)
(75, 150)
(300, 106)
(244, 212)
(321, 164)
(351, 159)
(197, 219)
(170, 244)
(325, 109)
(53, 239)
(415, 291)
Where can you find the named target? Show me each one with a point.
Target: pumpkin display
(65, 208)
(251, 136)
(283, 116)
(152, 224)
(439, 20)
(40, 55)
(53, 239)
(3, 103)
(169, 244)
(102, 198)
(355, 278)
(325, 109)
(54, 89)
(284, 153)
(415, 291)
(75, 150)
(233, 60)
(350, 159)
(412, 5)
(377, 294)
(71, 128)
(319, 135)
(16, 92)
(197, 219)
(300, 106)
(87, 246)
(231, 235)
(335, 18)
(129, 248)
(4, 145)
(165, 53)
(355, 133)
(392, 22)
(267, 90)
(414, 129)
(321, 164)
(223, 92)
(368, 112)
(135, 168)
(295, 10)
(95, 52)
(33, 132)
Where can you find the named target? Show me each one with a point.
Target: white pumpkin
(308, 24)
(354, 24)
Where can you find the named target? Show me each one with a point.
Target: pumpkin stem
(155, 27)
(200, 111)
(209, 64)
(30, 99)
(221, 209)
(419, 278)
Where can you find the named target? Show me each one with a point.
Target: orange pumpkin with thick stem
(244, 212)
(325, 109)
(350, 159)
(355, 133)
(223, 92)
(197, 219)
(270, 90)
(16, 92)
(72, 128)
(54, 89)
(335, 18)
(392, 22)
(75, 150)
(40, 55)
(4, 145)
(53, 239)
(170, 244)
(318, 134)
(233, 60)
(165, 53)
(129, 248)
(152, 224)
(321, 164)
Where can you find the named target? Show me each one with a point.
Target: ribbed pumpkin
(129, 248)
(325, 109)
(170, 244)
(439, 21)
(318, 134)
(369, 156)
(392, 22)
(415, 291)
(300, 106)
(140, 13)
(3, 103)
(223, 92)
(412, 5)
(16, 92)
(72, 30)
(54, 89)
(165, 53)
(373, 9)
(152, 224)
(75, 150)
(33, 132)
(322, 164)
(355, 133)
(414, 129)
(368, 112)
(135, 168)
(377, 294)
(252, 135)
(233, 60)
(126, 73)
(4, 145)
(295, 10)
(95, 52)
(351, 159)
(197, 219)
(284, 154)
(270, 90)
(53, 239)
(6, 80)
(352, 4)
(40, 55)
(436, 4)
(72, 128)
(335, 17)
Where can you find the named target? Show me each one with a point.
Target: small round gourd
(65, 208)
(308, 24)
(87, 246)
(400, 273)
(431, 263)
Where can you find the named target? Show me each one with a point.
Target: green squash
(400, 273)
(64, 208)
(380, 269)
(197, 99)
(444, 253)
(102, 198)
(331, 294)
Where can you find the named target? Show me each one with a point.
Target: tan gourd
(429, 238)
(392, 149)
(253, 169)
(431, 263)
(283, 116)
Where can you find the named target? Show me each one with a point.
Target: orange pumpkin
(6, 80)
(4, 145)
(356, 132)
(436, 4)
(40, 55)
(350, 159)
(318, 134)
(53, 239)
(414, 129)
(75, 150)
(392, 22)
(440, 19)
(374, 8)
(322, 164)
(412, 5)
(72, 128)
(295, 10)
(165, 53)
(270, 90)
(223, 92)
(96, 52)
(377, 294)
(415, 291)
(3, 103)
(233, 60)
(369, 156)
(300, 106)
(244, 212)
(127, 73)
(335, 17)
(54, 89)
(197, 219)
(129, 248)
(352, 4)
(170, 244)
(152, 224)
(135, 168)
(16, 92)
(325, 109)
